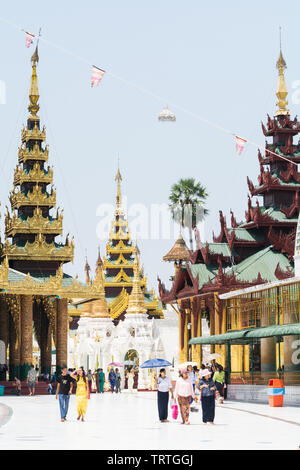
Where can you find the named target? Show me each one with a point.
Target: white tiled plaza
(131, 422)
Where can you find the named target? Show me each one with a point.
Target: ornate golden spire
(99, 307)
(118, 178)
(99, 262)
(136, 303)
(87, 271)
(34, 90)
(281, 91)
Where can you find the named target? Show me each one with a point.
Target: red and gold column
(26, 335)
(61, 334)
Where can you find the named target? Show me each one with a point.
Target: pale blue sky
(216, 59)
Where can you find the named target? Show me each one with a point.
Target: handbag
(174, 410)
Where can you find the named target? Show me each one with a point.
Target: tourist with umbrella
(164, 386)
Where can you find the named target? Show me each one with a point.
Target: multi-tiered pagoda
(34, 290)
(30, 227)
(257, 250)
(118, 269)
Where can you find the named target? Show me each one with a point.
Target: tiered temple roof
(30, 226)
(123, 277)
(261, 248)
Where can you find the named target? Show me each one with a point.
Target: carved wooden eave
(35, 174)
(281, 274)
(36, 153)
(40, 250)
(51, 287)
(286, 125)
(293, 209)
(36, 197)
(290, 174)
(35, 224)
(285, 243)
(220, 238)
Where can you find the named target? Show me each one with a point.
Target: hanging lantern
(166, 115)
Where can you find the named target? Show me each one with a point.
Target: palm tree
(187, 200)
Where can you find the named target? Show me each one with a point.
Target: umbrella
(185, 364)
(116, 364)
(129, 363)
(155, 363)
(213, 356)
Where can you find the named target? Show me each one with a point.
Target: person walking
(163, 387)
(130, 380)
(63, 391)
(90, 379)
(118, 381)
(184, 393)
(31, 380)
(81, 392)
(101, 380)
(112, 379)
(208, 388)
(219, 379)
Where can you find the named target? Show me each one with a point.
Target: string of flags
(240, 144)
(98, 73)
(28, 38)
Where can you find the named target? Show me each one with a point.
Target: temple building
(34, 289)
(257, 250)
(128, 322)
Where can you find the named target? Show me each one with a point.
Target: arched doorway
(132, 360)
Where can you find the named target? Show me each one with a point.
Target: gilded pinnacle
(34, 90)
(281, 91)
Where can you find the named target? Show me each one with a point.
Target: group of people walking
(64, 389)
(206, 384)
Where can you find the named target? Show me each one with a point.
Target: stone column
(14, 351)
(61, 334)
(4, 332)
(26, 335)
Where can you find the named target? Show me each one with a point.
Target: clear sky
(216, 59)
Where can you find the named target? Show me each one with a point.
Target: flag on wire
(29, 38)
(97, 75)
(239, 144)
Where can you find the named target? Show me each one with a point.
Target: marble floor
(130, 422)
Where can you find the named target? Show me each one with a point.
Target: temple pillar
(183, 336)
(14, 351)
(267, 349)
(61, 334)
(26, 335)
(46, 346)
(196, 332)
(4, 332)
(291, 346)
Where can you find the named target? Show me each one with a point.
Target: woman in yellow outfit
(81, 392)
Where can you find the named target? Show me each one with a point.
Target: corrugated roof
(205, 272)
(264, 262)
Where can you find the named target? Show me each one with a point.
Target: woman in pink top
(184, 393)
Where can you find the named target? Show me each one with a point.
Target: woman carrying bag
(163, 387)
(184, 393)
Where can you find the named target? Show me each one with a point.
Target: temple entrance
(132, 359)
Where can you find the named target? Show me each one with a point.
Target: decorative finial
(34, 90)
(118, 178)
(136, 302)
(281, 91)
(99, 262)
(87, 270)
